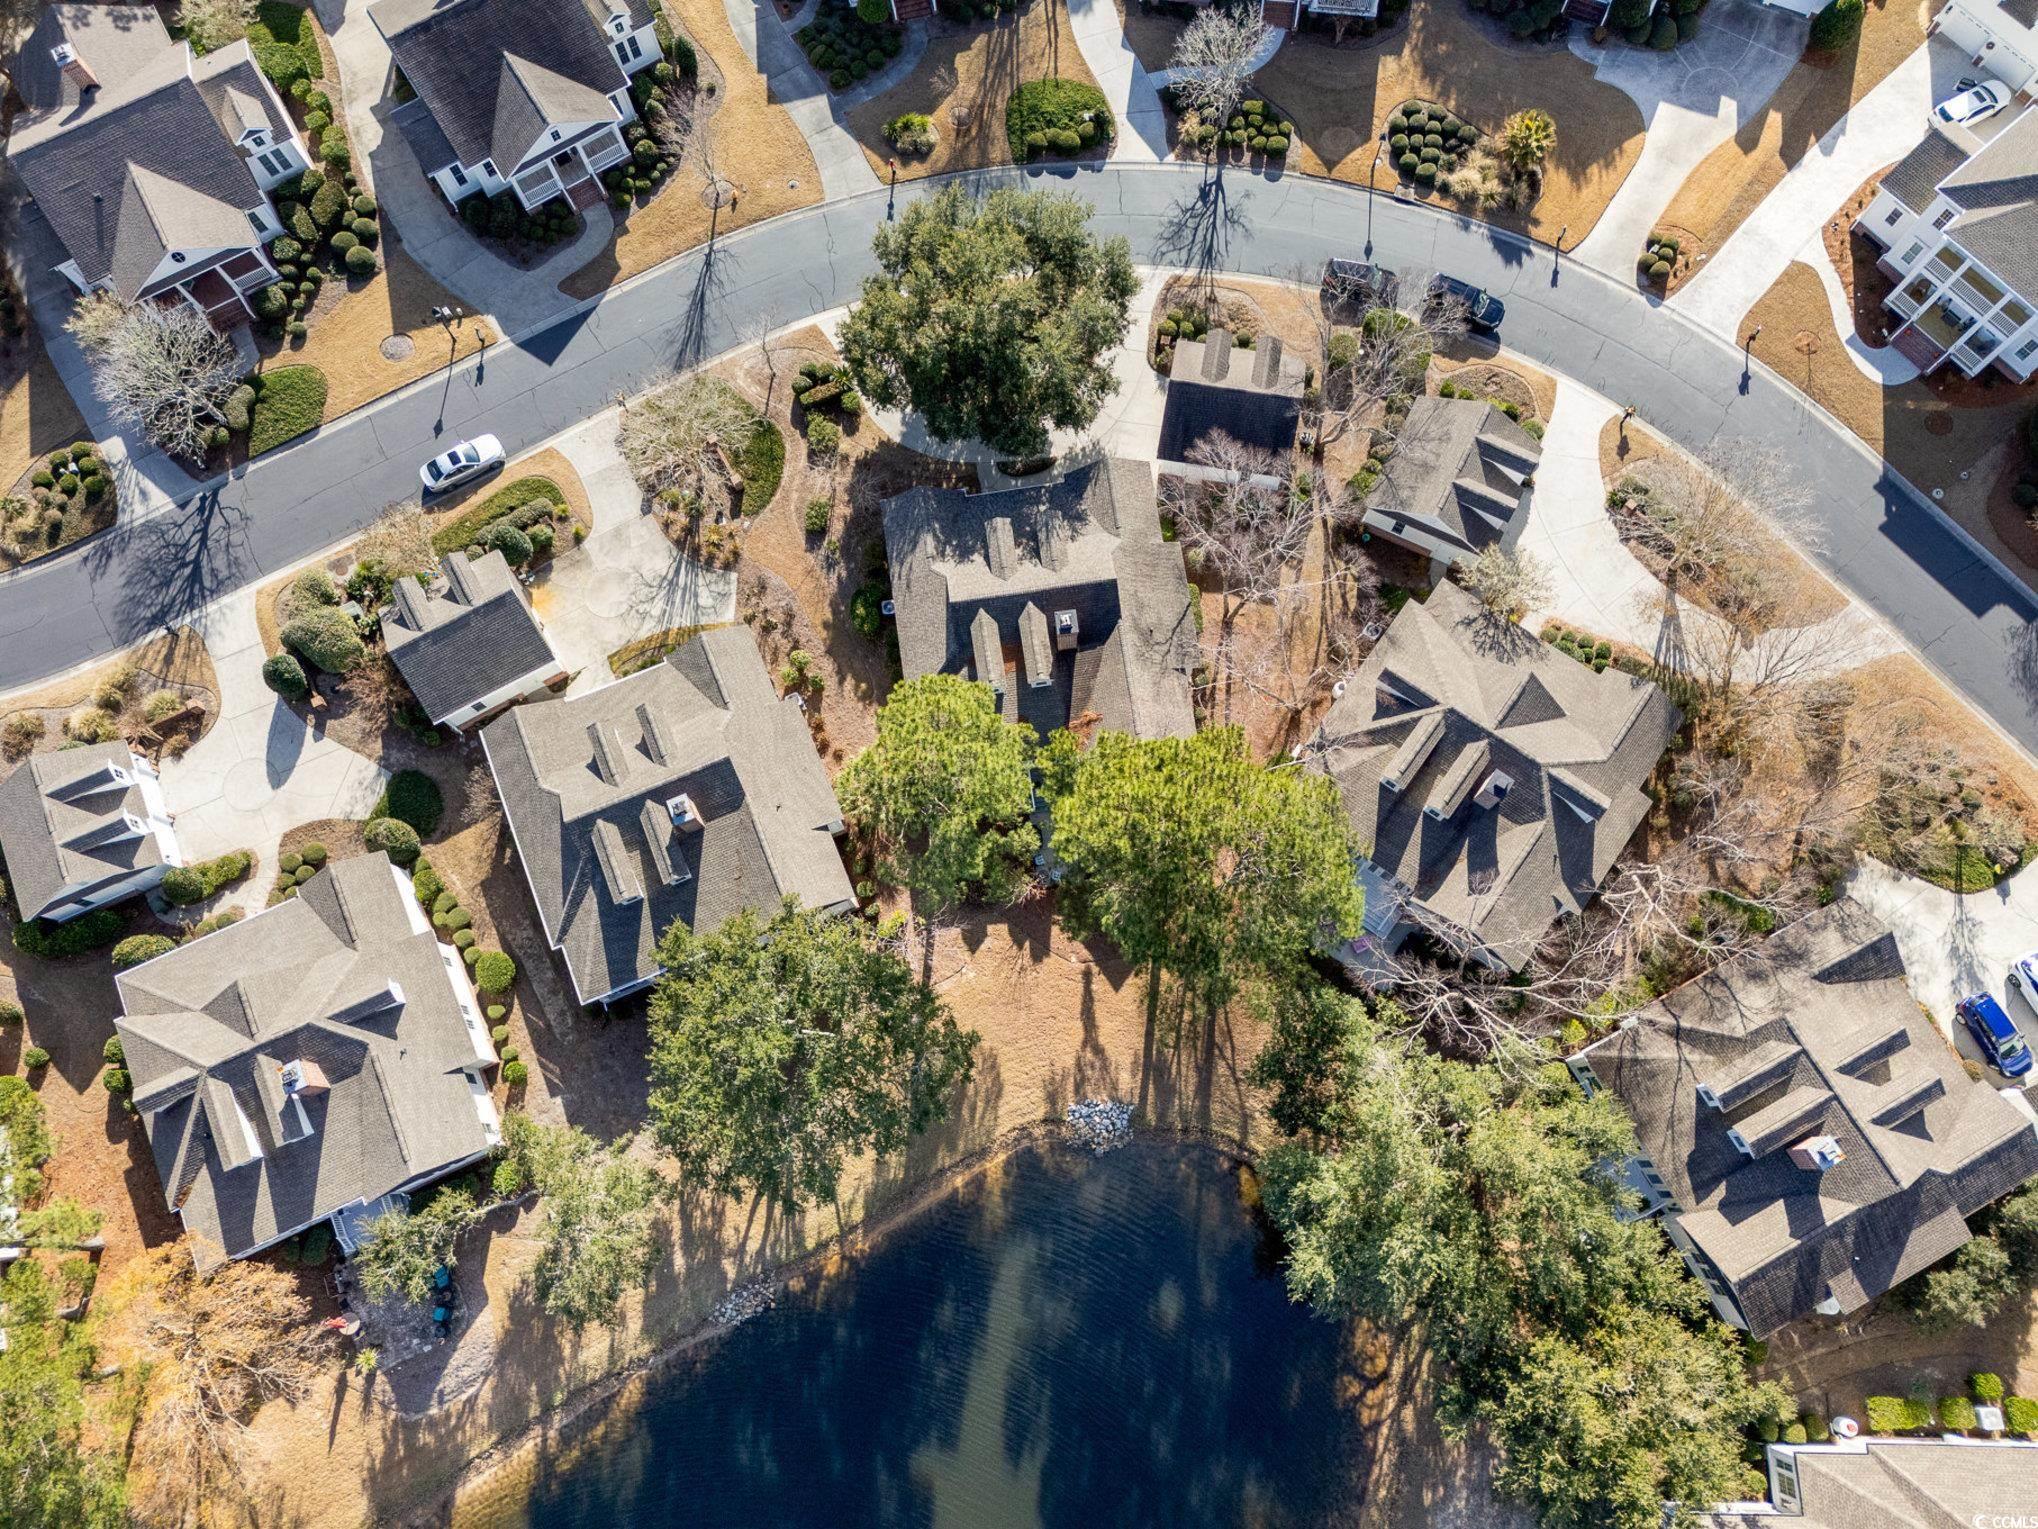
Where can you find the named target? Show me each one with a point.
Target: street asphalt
(1970, 619)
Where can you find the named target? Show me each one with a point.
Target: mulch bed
(2010, 523)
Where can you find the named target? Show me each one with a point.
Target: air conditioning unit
(301, 1077)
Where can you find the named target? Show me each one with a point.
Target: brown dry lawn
(1340, 96)
(1731, 182)
(1150, 35)
(968, 73)
(177, 661)
(1932, 430)
(37, 414)
(757, 147)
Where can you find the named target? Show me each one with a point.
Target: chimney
(1818, 1153)
(301, 1078)
(74, 67)
(685, 816)
(1267, 361)
(1065, 631)
(1493, 790)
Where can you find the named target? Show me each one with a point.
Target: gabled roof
(1455, 482)
(1996, 190)
(142, 164)
(1086, 544)
(64, 822)
(1914, 179)
(1867, 1483)
(589, 785)
(495, 74)
(466, 636)
(1813, 1033)
(1452, 697)
(1253, 395)
(346, 976)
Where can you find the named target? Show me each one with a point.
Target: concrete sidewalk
(791, 81)
(1129, 90)
(1884, 125)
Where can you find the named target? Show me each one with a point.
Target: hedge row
(54, 942)
(187, 884)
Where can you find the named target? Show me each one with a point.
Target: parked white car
(464, 463)
(1983, 100)
(2024, 976)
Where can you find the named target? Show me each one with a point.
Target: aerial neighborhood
(860, 762)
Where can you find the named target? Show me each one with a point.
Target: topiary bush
(134, 950)
(393, 837)
(325, 639)
(412, 797)
(494, 972)
(285, 675)
(360, 261)
(54, 942)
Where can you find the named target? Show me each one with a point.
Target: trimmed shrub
(134, 950)
(509, 541)
(284, 675)
(187, 884)
(326, 639)
(463, 939)
(457, 919)
(360, 261)
(1957, 1413)
(10, 1014)
(495, 1012)
(515, 1074)
(344, 241)
(1837, 25)
(313, 854)
(1663, 33)
(500, 1034)
(395, 838)
(364, 229)
(1794, 1434)
(1888, 1414)
(426, 884)
(824, 436)
(1816, 1429)
(55, 942)
(494, 972)
(1986, 1387)
(2020, 1414)
(35, 1059)
(117, 1081)
(510, 1053)
(412, 798)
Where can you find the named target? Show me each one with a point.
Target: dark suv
(1355, 284)
(1483, 311)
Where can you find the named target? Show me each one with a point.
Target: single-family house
(1461, 478)
(82, 828)
(1949, 1482)
(308, 1063)
(1062, 596)
(468, 643)
(525, 94)
(1958, 221)
(1490, 780)
(1806, 1134)
(1214, 387)
(152, 165)
(687, 792)
(2000, 36)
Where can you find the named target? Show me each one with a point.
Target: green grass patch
(643, 652)
(288, 402)
(468, 524)
(285, 44)
(762, 465)
(1046, 117)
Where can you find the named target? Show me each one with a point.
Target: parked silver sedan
(463, 464)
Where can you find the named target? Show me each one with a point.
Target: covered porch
(570, 168)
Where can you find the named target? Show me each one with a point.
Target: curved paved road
(1969, 618)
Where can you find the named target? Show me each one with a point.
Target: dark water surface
(1066, 1341)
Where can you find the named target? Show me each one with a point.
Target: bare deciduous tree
(1372, 356)
(211, 1350)
(1510, 583)
(670, 437)
(1214, 59)
(1243, 517)
(163, 370)
(686, 135)
(215, 23)
(401, 539)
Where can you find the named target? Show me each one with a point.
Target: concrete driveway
(1693, 98)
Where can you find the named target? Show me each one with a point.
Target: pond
(1065, 1340)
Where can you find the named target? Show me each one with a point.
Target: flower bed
(845, 49)
(1257, 127)
(1046, 118)
(66, 498)
(525, 504)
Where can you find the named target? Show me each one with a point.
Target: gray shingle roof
(469, 635)
(1914, 180)
(1454, 482)
(63, 822)
(495, 73)
(1997, 193)
(1902, 1484)
(705, 724)
(1448, 684)
(1088, 542)
(1254, 396)
(1821, 1014)
(346, 976)
(140, 165)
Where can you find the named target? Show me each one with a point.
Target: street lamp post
(1371, 191)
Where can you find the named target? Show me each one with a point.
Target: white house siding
(1913, 248)
(530, 684)
(1992, 40)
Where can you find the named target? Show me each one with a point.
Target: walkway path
(264, 768)
(1693, 99)
(1884, 125)
(1879, 363)
(1877, 536)
(791, 81)
(1128, 88)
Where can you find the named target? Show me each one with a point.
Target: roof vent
(74, 67)
(301, 1077)
(1818, 1153)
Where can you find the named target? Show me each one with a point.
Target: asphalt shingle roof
(1087, 542)
(1997, 193)
(496, 73)
(1819, 1025)
(63, 823)
(140, 165)
(1449, 695)
(1914, 179)
(1902, 1484)
(1254, 396)
(1454, 484)
(469, 635)
(706, 724)
(346, 976)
